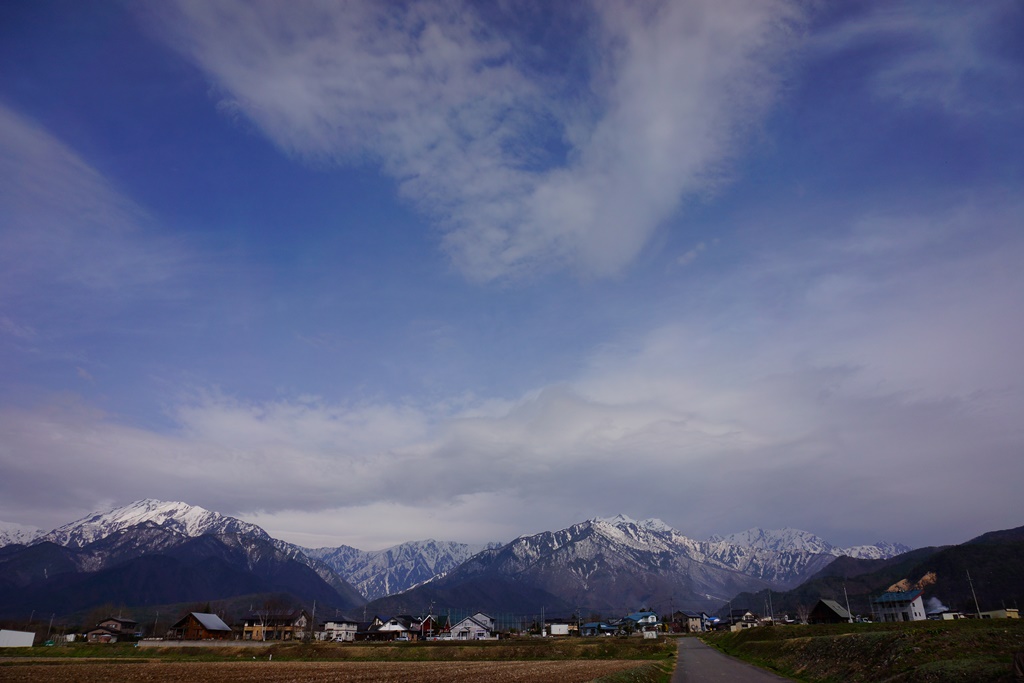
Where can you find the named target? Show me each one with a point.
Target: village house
(270, 625)
(201, 626)
(400, 627)
(740, 619)
(480, 626)
(598, 628)
(684, 621)
(645, 620)
(368, 630)
(341, 630)
(111, 629)
(899, 606)
(432, 626)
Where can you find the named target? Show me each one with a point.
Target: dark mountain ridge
(994, 561)
(128, 568)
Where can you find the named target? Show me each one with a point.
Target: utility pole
(848, 612)
(976, 608)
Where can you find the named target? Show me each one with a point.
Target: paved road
(699, 663)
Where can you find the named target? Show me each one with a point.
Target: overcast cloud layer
(365, 273)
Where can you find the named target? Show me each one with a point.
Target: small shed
(828, 612)
(201, 626)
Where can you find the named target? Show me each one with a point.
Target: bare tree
(802, 612)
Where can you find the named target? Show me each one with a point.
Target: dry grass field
(155, 671)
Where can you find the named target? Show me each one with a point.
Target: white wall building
(340, 630)
(899, 606)
(16, 638)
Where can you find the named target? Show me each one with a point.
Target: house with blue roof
(639, 621)
(597, 628)
(899, 606)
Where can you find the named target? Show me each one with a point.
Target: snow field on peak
(11, 533)
(190, 520)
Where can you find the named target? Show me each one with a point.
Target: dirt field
(311, 672)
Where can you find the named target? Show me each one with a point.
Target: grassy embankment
(655, 659)
(927, 651)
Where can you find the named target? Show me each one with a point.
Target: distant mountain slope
(393, 570)
(796, 540)
(995, 562)
(860, 577)
(1004, 536)
(198, 569)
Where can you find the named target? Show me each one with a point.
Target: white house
(401, 626)
(477, 627)
(340, 630)
(899, 606)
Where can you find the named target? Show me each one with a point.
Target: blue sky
(365, 273)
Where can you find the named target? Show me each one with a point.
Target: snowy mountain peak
(616, 520)
(188, 520)
(653, 524)
(11, 533)
(777, 540)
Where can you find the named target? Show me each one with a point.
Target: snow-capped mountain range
(378, 573)
(372, 573)
(573, 556)
(610, 564)
(797, 540)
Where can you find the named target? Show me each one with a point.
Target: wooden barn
(201, 626)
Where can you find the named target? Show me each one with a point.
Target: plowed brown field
(312, 672)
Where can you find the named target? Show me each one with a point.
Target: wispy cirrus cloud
(518, 172)
(950, 55)
(64, 222)
(69, 238)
